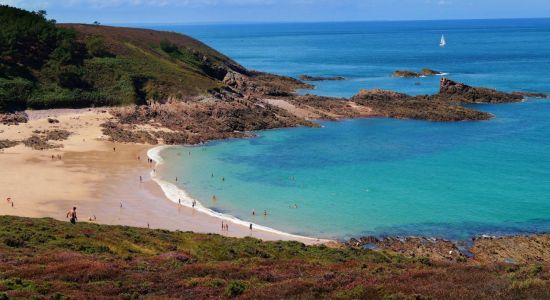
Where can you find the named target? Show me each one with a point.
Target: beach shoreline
(102, 179)
(181, 197)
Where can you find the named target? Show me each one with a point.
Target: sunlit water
(383, 176)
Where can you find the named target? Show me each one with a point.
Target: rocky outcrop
(405, 74)
(459, 92)
(429, 72)
(426, 249)
(235, 80)
(14, 118)
(532, 95)
(318, 78)
(512, 249)
(412, 74)
(398, 105)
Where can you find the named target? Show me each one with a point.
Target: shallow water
(384, 176)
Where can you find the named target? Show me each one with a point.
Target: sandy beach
(97, 176)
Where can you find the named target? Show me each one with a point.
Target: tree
(97, 23)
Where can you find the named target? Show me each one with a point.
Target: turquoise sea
(384, 176)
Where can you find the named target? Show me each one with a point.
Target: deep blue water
(384, 176)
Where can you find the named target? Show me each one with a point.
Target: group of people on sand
(57, 157)
(225, 226)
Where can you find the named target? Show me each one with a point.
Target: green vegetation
(46, 65)
(48, 259)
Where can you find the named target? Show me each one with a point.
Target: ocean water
(384, 176)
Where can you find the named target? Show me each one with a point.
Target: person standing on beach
(250, 226)
(226, 226)
(71, 214)
(140, 179)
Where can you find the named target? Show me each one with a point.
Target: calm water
(384, 176)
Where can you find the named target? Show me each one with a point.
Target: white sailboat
(443, 43)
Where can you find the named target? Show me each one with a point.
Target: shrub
(235, 288)
(96, 47)
(168, 46)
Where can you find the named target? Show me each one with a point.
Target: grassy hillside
(46, 65)
(43, 258)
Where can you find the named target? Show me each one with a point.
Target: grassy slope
(47, 258)
(44, 65)
(137, 53)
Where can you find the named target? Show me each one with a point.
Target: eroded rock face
(235, 80)
(460, 92)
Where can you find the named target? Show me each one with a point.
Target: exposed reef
(319, 78)
(412, 74)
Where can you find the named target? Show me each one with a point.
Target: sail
(443, 42)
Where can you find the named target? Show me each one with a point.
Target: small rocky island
(319, 78)
(412, 74)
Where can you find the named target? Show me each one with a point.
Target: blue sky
(198, 11)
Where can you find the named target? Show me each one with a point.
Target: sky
(221, 11)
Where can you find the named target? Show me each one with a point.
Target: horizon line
(314, 22)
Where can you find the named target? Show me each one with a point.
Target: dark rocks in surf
(412, 74)
(319, 78)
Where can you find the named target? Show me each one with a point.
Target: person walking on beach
(250, 226)
(140, 179)
(71, 214)
(223, 226)
(226, 226)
